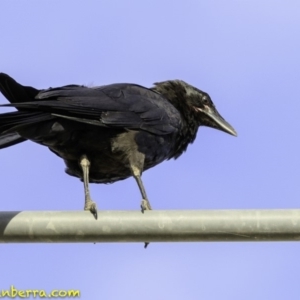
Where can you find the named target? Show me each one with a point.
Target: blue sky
(245, 54)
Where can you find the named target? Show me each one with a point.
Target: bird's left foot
(145, 205)
(92, 207)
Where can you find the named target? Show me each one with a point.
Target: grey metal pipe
(152, 226)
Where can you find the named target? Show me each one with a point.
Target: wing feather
(118, 105)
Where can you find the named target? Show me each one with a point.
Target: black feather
(119, 127)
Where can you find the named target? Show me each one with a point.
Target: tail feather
(10, 139)
(15, 92)
(12, 121)
(9, 122)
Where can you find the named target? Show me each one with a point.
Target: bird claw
(145, 205)
(92, 207)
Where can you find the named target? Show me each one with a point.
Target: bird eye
(205, 100)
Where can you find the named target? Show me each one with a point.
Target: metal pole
(152, 226)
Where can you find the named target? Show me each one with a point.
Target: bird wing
(125, 106)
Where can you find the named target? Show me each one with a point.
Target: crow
(111, 132)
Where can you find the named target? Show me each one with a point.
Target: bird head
(205, 109)
(187, 98)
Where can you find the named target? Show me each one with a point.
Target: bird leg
(145, 204)
(89, 203)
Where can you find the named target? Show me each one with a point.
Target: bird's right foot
(145, 205)
(92, 207)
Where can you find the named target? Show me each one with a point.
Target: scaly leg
(145, 204)
(89, 204)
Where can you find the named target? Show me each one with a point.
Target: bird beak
(216, 120)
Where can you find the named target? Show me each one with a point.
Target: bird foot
(92, 207)
(145, 205)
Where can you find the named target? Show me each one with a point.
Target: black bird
(111, 132)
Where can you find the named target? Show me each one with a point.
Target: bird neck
(186, 135)
(189, 126)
